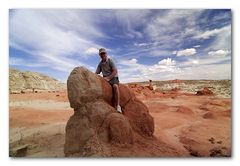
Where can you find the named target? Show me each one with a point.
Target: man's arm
(114, 72)
(98, 70)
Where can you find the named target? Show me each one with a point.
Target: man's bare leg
(116, 97)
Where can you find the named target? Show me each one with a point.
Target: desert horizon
(146, 81)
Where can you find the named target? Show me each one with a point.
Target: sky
(157, 44)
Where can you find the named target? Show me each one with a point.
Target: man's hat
(102, 50)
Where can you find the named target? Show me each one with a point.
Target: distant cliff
(31, 81)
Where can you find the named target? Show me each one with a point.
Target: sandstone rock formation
(21, 82)
(144, 92)
(96, 128)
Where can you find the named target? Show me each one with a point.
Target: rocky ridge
(23, 82)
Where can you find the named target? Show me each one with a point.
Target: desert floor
(193, 125)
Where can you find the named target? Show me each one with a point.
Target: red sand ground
(194, 125)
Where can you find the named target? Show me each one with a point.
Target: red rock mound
(119, 129)
(205, 91)
(143, 92)
(185, 110)
(96, 127)
(208, 115)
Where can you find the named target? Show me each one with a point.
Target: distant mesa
(32, 82)
(176, 81)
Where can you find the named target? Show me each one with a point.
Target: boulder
(185, 110)
(95, 125)
(208, 115)
(118, 128)
(205, 91)
(139, 117)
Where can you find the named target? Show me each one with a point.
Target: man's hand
(107, 78)
(114, 72)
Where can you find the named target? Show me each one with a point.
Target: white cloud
(133, 60)
(165, 65)
(167, 62)
(219, 53)
(130, 19)
(197, 46)
(172, 26)
(129, 62)
(13, 61)
(91, 51)
(195, 62)
(222, 40)
(186, 52)
(174, 52)
(141, 44)
(209, 33)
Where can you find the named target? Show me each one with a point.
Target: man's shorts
(114, 80)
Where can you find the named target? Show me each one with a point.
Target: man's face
(103, 56)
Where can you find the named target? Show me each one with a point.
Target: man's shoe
(119, 109)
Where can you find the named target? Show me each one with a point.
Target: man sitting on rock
(110, 74)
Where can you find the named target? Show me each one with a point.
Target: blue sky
(145, 44)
